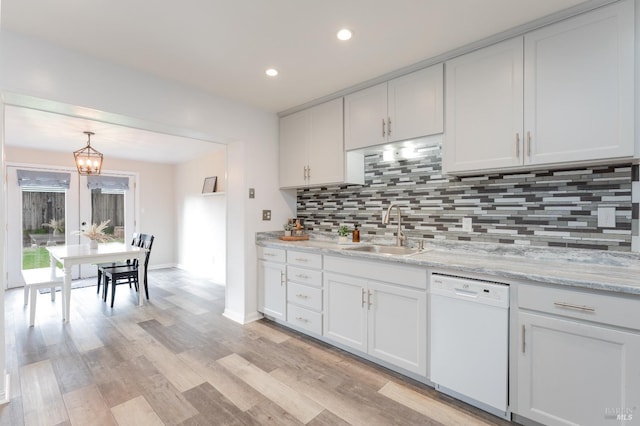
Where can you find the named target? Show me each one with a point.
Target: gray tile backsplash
(543, 208)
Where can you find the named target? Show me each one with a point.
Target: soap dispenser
(355, 236)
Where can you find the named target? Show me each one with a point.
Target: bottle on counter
(355, 235)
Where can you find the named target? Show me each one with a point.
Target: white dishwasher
(469, 322)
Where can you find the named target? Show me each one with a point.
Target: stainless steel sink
(385, 250)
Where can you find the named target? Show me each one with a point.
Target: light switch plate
(266, 214)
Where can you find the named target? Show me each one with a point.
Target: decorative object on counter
(355, 235)
(293, 231)
(95, 233)
(343, 232)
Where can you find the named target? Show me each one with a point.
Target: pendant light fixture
(88, 160)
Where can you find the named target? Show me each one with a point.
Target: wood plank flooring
(178, 361)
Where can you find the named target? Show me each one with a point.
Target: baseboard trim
(241, 319)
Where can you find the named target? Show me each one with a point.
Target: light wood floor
(178, 361)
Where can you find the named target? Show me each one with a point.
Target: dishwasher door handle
(466, 293)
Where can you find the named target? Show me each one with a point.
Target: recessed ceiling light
(344, 34)
(271, 72)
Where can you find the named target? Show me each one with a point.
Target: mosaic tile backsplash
(543, 208)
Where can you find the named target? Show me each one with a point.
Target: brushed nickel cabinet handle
(572, 306)
(384, 133)
(269, 255)
(388, 126)
(302, 319)
(301, 259)
(302, 296)
(524, 330)
(528, 144)
(282, 278)
(369, 299)
(302, 276)
(517, 144)
(363, 297)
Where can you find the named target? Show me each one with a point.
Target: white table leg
(52, 265)
(66, 293)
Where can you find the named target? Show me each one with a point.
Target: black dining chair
(135, 242)
(129, 274)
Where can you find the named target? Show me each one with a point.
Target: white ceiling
(224, 46)
(29, 128)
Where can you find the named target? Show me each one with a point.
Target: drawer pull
(302, 296)
(269, 255)
(303, 276)
(524, 331)
(572, 306)
(302, 259)
(302, 319)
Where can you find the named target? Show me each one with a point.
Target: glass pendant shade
(88, 160)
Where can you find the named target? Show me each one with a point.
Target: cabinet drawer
(580, 304)
(301, 258)
(309, 297)
(304, 318)
(304, 276)
(271, 254)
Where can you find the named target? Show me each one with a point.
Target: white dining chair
(35, 279)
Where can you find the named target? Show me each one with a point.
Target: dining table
(81, 254)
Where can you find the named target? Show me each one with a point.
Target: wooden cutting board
(294, 238)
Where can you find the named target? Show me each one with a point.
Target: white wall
(32, 72)
(201, 219)
(157, 212)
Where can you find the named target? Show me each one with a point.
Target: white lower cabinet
(574, 372)
(345, 319)
(384, 320)
(272, 286)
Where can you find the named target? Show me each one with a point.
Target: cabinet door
(272, 295)
(415, 104)
(398, 326)
(345, 318)
(484, 109)
(579, 87)
(326, 150)
(295, 137)
(365, 117)
(574, 373)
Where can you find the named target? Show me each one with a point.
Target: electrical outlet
(467, 224)
(606, 217)
(266, 214)
(252, 193)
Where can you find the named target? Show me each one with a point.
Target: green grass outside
(35, 257)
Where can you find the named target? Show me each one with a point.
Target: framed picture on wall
(209, 185)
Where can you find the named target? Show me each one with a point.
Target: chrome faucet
(385, 221)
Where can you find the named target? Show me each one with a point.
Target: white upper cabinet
(483, 125)
(312, 148)
(579, 86)
(407, 107)
(560, 95)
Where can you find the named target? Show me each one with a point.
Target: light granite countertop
(598, 270)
